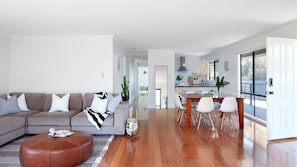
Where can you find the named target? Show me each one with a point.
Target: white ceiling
(188, 26)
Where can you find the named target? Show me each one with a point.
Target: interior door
(281, 88)
(161, 74)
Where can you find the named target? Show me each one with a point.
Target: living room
(67, 47)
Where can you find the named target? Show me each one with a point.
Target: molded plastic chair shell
(181, 110)
(205, 107)
(229, 106)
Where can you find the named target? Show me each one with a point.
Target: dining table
(195, 97)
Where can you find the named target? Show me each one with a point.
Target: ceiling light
(202, 67)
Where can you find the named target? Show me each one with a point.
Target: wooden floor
(160, 142)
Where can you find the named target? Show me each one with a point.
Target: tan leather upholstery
(46, 151)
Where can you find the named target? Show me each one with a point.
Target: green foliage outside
(259, 69)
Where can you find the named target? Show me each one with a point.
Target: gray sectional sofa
(38, 120)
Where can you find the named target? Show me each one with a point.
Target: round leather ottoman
(47, 151)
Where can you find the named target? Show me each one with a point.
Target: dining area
(193, 106)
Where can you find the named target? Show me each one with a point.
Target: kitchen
(192, 74)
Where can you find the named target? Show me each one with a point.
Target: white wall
(120, 65)
(4, 64)
(231, 54)
(161, 57)
(61, 63)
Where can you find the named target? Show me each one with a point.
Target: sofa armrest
(121, 115)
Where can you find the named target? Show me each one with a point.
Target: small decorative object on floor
(131, 126)
(59, 133)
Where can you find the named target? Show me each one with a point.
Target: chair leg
(197, 117)
(222, 121)
(181, 118)
(236, 121)
(178, 115)
(193, 118)
(230, 119)
(200, 116)
(213, 127)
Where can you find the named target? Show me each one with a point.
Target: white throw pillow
(113, 102)
(21, 102)
(99, 104)
(60, 104)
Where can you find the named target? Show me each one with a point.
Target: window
(253, 82)
(253, 73)
(213, 69)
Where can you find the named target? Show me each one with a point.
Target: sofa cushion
(88, 99)
(9, 123)
(3, 96)
(60, 103)
(99, 104)
(113, 102)
(21, 102)
(35, 101)
(9, 106)
(25, 114)
(81, 119)
(75, 101)
(46, 118)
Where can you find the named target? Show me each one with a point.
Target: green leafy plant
(179, 77)
(125, 90)
(220, 82)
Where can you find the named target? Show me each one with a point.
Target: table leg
(240, 112)
(189, 112)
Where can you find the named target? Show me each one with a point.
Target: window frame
(253, 54)
(215, 69)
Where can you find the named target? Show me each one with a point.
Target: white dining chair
(229, 108)
(204, 109)
(180, 109)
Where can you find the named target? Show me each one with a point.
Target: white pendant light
(202, 68)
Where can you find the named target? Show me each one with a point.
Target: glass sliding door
(253, 83)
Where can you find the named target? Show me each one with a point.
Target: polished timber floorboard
(160, 142)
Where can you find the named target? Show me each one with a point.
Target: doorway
(142, 80)
(161, 77)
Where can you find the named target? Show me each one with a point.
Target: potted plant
(220, 82)
(179, 78)
(125, 90)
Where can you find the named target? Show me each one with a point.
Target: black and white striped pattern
(95, 118)
(102, 95)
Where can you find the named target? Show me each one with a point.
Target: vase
(219, 92)
(179, 82)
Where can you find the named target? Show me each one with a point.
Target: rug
(9, 153)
